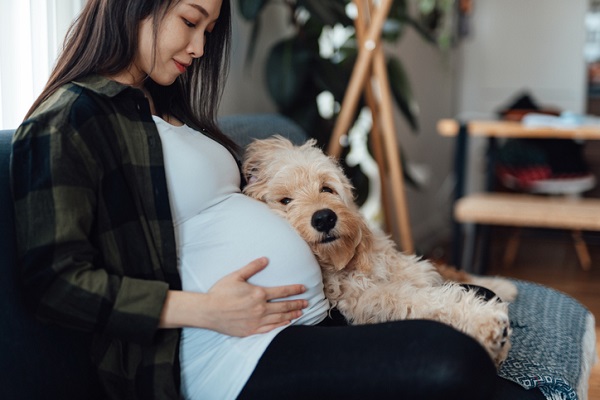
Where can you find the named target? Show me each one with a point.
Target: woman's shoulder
(75, 107)
(92, 94)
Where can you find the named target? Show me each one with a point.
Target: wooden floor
(549, 258)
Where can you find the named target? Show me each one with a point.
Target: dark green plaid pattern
(95, 233)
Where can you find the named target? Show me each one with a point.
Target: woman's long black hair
(104, 39)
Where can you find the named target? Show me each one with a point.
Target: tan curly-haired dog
(365, 277)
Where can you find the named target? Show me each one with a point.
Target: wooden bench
(529, 210)
(521, 210)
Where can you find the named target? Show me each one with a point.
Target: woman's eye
(326, 189)
(285, 201)
(188, 23)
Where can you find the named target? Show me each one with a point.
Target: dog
(365, 277)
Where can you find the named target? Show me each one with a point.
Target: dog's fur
(365, 277)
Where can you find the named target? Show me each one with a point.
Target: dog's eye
(285, 201)
(326, 189)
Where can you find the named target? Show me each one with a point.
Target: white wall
(516, 45)
(432, 75)
(524, 44)
(246, 90)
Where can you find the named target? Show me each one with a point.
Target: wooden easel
(370, 76)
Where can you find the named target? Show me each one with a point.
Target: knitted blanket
(553, 343)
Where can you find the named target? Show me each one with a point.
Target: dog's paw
(494, 333)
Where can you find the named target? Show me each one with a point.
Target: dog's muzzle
(324, 221)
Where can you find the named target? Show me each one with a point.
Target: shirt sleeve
(54, 180)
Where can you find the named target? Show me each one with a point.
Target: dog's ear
(339, 260)
(352, 253)
(309, 143)
(364, 246)
(260, 153)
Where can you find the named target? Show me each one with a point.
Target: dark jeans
(414, 359)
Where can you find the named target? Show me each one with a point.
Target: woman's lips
(181, 67)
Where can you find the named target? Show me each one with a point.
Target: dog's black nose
(324, 220)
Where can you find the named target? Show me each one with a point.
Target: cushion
(553, 343)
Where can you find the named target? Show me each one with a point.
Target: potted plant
(315, 63)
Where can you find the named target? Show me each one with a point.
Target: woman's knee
(435, 361)
(463, 367)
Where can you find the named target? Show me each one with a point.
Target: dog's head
(311, 191)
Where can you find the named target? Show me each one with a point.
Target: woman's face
(181, 38)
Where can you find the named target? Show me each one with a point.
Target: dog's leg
(504, 288)
(486, 321)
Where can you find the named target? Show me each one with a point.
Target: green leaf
(402, 92)
(395, 24)
(250, 9)
(399, 7)
(335, 77)
(392, 30)
(306, 115)
(329, 12)
(427, 6)
(287, 69)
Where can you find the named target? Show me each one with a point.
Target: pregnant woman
(216, 229)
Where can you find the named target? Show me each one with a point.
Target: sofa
(553, 341)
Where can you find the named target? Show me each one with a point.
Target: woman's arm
(233, 306)
(85, 251)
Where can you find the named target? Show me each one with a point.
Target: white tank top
(219, 230)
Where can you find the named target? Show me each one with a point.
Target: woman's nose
(196, 46)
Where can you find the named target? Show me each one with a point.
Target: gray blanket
(553, 343)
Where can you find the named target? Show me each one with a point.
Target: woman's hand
(233, 306)
(245, 309)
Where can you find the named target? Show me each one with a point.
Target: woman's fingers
(282, 307)
(275, 320)
(283, 313)
(243, 308)
(277, 292)
(280, 292)
(252, 268)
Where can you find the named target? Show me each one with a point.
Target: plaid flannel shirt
(94, 230)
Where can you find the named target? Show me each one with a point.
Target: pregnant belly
(237, 230)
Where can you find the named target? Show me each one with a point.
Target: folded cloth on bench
(553, 343)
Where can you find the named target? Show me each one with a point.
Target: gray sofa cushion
(244, 128)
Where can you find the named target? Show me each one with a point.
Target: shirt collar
(101, 85)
